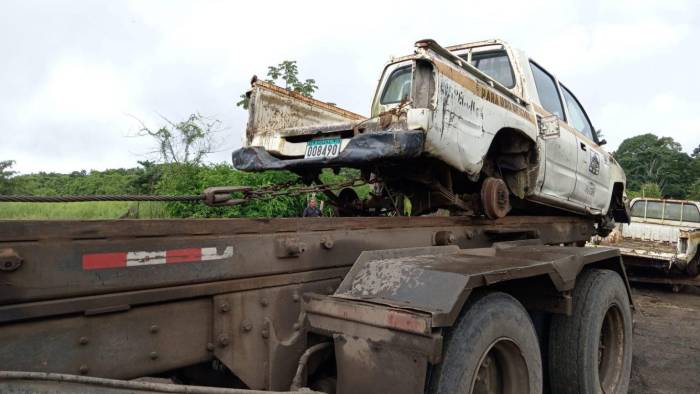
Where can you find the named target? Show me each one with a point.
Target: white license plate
(322, 148)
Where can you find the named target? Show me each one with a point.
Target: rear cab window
(691, 213)
(494, 63)
(638, 209)
(655, 210)
(672, 211)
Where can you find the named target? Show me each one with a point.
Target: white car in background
(662, 234)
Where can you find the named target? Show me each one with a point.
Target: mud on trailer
(345, 305)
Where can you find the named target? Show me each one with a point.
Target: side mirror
(602, 142)
(549, 126)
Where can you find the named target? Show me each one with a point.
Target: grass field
(82, 210)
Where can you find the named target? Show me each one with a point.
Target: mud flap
(377, 349)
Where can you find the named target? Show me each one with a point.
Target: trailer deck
(131, 298)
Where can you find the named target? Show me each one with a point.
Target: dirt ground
(666, 340)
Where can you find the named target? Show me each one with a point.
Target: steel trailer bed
(131, 298)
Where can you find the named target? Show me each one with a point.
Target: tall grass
(83, 210)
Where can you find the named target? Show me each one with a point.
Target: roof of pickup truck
(664, 200)
(482, 43)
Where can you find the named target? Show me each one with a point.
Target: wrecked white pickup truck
(477, 128)
(663, 235)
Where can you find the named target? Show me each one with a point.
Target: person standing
(312, 209)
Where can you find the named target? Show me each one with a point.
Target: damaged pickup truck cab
(479, 129)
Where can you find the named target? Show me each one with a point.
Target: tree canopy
(5, 174)
(651, 160)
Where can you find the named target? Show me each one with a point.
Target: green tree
(192, 179)
(648, 159)
(694, 191)
(184, 142)
(146, 177)
(288, 73)
(5, 174)
(646, 190)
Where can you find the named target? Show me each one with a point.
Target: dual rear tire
(493, 347)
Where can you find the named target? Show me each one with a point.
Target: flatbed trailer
(347, 305)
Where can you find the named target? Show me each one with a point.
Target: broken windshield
(398, 86)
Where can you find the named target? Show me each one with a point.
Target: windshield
(398, 86)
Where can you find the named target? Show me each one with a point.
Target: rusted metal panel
(378, 349)
(328, 316)
(366, 366)
(440, 283)
(129, 299)
(259, 334)
(184, 273)
(54, 252)
(391, 318)
(129, 344)
(273, 109)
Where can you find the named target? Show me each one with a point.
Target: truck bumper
(361, 150)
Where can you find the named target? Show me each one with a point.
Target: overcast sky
(74, 73)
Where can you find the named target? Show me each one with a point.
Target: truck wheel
(591, 350)
(492, 348)
(495, 198)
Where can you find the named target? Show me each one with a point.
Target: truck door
(560, 148)
(592, 187)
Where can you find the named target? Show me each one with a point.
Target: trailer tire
(492, 344)
(591, 350)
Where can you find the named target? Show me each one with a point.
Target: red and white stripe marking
(98, 261)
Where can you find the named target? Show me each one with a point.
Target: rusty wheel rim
(495, 198)
(611, 350)
(502, 370)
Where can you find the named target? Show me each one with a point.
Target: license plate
(322, 148)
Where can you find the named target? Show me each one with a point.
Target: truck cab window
(398, 86)
(637, 209)
(654, 209)
(672, 211)
(547, 91)
(495, 64)
(691, 213)
(577, 116)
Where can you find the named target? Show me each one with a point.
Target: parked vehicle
(662, 234)
(478, 128)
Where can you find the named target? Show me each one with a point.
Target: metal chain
(214, 196)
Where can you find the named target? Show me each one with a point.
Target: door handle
(583, 146)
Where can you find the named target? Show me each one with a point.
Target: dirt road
(666, 341)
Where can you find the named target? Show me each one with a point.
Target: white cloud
(75, 68)
(664, 114)
(76, 89)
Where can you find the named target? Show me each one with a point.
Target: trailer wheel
(591, 350)
(492, 348)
